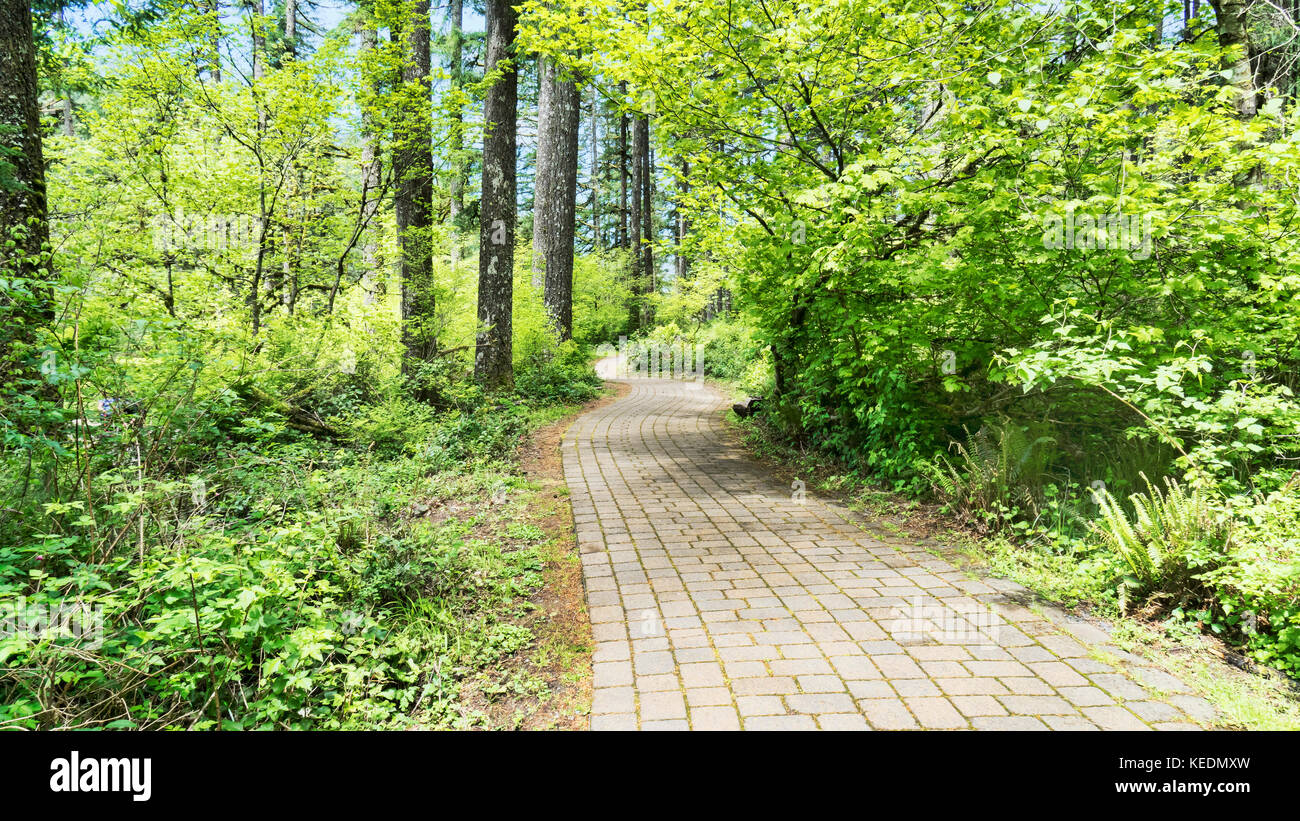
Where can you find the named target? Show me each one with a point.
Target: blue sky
(325, 13)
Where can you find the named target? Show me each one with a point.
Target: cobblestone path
(720, 599)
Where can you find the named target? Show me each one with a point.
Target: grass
(517, 690)
(538, 659)
(1245, 700)
(546, 684)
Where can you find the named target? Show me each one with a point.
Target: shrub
(1257, 592)
(1173, 536)
(562, 373)
(392, 425)
(276, 600)
(1000, 467)
(730, 348)
(482, 433)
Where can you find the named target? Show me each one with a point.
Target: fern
(999, 466)
(1171, 537)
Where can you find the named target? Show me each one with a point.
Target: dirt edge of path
(561, 653)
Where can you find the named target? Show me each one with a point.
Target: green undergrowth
(290, 582)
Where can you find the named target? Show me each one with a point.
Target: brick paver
(720, 599)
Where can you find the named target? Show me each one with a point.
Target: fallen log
(295, 417)
(749, 407)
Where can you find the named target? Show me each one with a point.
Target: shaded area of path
(721, 600)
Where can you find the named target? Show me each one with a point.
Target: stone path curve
(720, 600)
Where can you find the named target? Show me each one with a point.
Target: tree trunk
(65, 104)
(370, 175)
(644, 248)
(24, 219)
(623, 234)
(1234, 36)
(291, 29)
(456, 15)
(260, 278)
(413, 197)
(1293, 73)
(555, 192)
(597, 242)
(254, 299)
(259, 39)
(259, 60)
(212, 8)
(683, 224)
(493, 358)
(636, 313)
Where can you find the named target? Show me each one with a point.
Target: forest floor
(719, 599)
